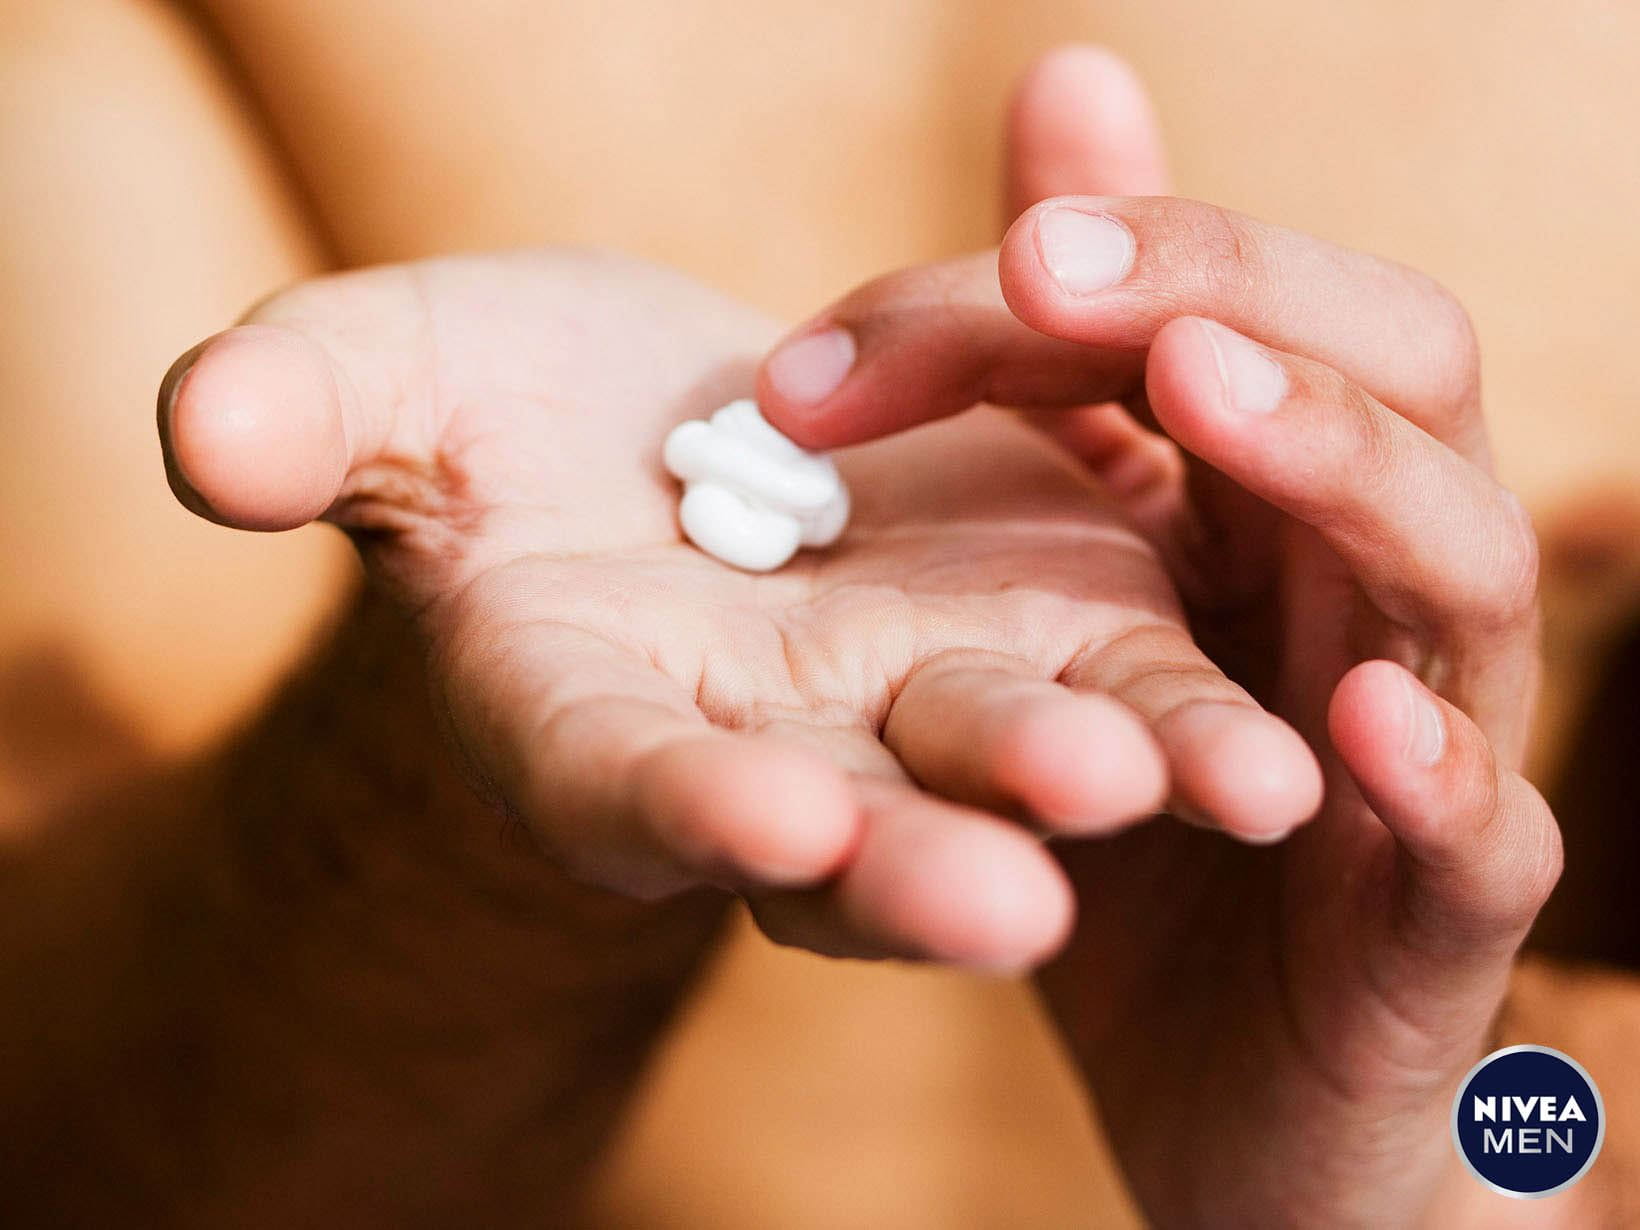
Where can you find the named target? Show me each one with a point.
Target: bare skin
(1312, 529)
(988, 630)
(311, 974)
(489, 225)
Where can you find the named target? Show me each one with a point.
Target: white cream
(751, 497)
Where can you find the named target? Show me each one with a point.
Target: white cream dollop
(750, 496)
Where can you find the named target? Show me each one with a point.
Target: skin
(1360, 570)
(969, 651)
(307, 974)
(218, 266)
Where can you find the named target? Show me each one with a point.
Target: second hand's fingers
(930, 880)
(1232, 765)
(1110, 272)
(986, 730)
(1142, 469)
(1478, 851)
(922, 344)
(1080, 121)
(1434, 540)
(1101, 276)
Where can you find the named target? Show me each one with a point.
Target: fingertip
(1246, 771)
(1081, 120)
(798, 380)
(181, 485)
(251, 424)
(913, 345)
(1183, 383)
(934, 882)
(1051, 100)
(750, 811)
(1082, 763)
(989, 899)
(1367, 712)
(1480, 837)
(1063, 268)
(1180, 359)
(1072, 66)
(1397, 738)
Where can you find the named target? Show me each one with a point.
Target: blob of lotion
(751, 497)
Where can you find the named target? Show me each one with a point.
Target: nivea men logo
(1541, 1120)
(1528, 1121)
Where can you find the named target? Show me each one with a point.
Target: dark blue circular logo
(1528, 1121)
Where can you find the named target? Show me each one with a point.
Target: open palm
(848, 742)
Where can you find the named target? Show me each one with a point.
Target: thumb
(1081, 123)
(1479, 851)
(256, 430)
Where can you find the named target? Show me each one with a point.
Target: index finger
(1081, 287)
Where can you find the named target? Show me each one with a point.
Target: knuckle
(1155, 668)
(1372, 461)
(1549, 863)
(1527, 854)
(1484, 803)
(1541, 857)
(1193, 254)
(1507, 588)
(1227, 253)
(1454, 348)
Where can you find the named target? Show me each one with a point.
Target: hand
(1274, 1036)
(488, 429)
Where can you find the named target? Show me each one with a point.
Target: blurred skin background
(162, 166)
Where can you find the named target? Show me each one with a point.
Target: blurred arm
(142, 209)
(316, 975)
(309, 974)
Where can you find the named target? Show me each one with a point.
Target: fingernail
(1083, 252)
(172, 382)
(809, 369)
(168, 390)
(1253, 382)
(1426, 732)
